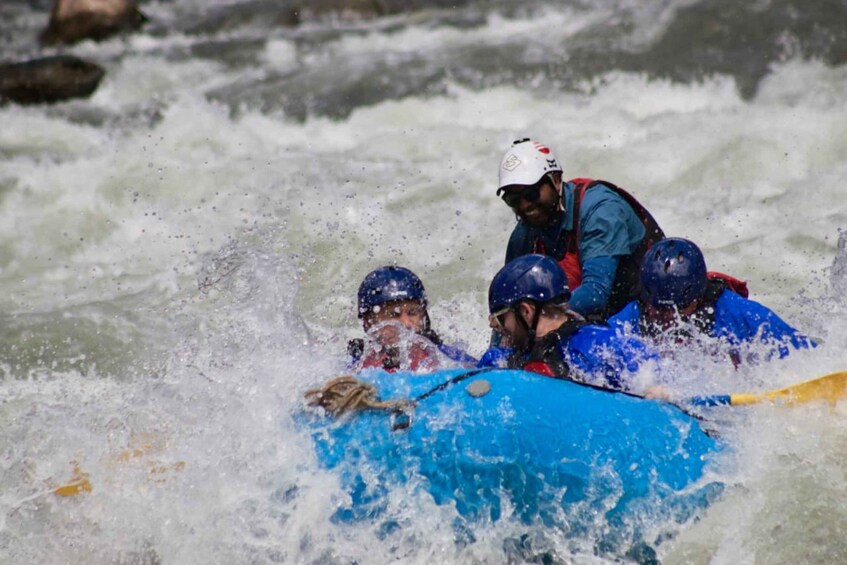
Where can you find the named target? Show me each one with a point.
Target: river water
(180, 253)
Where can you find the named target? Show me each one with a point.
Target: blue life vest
(588, 353)
(728, 316)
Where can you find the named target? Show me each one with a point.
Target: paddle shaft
(830, 388)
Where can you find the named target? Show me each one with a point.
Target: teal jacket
(610, 233)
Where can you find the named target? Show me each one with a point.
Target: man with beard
(597, 232)
(392, 305)
(528, 303)
(680, 302)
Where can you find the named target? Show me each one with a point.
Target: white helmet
(526, 162)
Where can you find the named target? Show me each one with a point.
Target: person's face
(668, 317)
(537, 205)
(514, 333)
(385, 319)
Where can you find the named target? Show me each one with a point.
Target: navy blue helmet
(529, 277)
(673, 273)
(388, 284)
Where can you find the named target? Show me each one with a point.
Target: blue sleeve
(608, 226)
(495, 357)
(605, 358)
(519, 243)
(592, 294)
(625, 322)
(608, 229)
(741, 320)
(457, 355)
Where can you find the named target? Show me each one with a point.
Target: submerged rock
(311, 10)
(292, 13)
(75, 20)
(50, 79)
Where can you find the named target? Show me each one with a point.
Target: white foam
(122, 219)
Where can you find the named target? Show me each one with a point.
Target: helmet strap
(560, 190)
(534, 328)
(560, 199)
(529, 328)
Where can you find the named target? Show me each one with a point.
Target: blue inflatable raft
(506, 444)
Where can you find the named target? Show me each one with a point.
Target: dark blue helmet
(529, 277)
(388, 284)
(673, 273)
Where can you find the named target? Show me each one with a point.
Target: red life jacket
(419, 358)
(539, 367)
(735, 285)
(625, 286)
(546, 358)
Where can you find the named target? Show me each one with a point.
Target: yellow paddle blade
(143, 451)
(830, 388)
(79, 483)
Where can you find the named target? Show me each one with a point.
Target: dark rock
(292, 13)
(50, 79)
(75, 20)
(316, 10)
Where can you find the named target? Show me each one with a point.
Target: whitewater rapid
(181, 266)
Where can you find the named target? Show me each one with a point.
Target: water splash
(838, 273)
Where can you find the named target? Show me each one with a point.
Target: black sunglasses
(529, 193)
